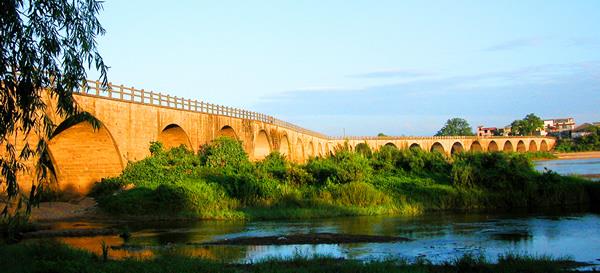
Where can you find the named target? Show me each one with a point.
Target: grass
(50, 256)
(221, 183)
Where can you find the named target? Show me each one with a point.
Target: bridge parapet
(430, 137)
(141, 96)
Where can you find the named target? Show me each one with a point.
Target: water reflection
(436, 237)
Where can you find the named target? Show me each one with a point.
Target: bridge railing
(425, 137)
(130, 94)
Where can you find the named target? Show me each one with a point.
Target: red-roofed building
(486, 131)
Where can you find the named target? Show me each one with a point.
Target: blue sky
(363, 67)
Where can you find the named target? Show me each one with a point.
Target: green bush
(273, 165)
(225, 152)
(107, 186)
(358, 194)
(220, 182)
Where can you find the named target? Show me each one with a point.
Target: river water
(436, 237)
(571, 166)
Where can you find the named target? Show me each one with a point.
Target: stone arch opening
(521, 147)
(82, 156)
(174, 136)
(544, 146)
(437, 147)
(328, 149)
(508, 147)
(532, 146)
(415, 146)
(389, 144)
(311, 149)
(227, 131)
(457, 147)
(262, 147)
(299, 151)
(284, 146)
(476, 147)
(492, 147)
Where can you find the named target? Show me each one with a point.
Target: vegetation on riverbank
(540, 155)
(50, 256)
(221, 183)
(585, 143)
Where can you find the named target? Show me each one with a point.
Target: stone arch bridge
(132, 118)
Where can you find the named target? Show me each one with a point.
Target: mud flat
(578, 155)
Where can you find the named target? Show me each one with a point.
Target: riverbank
(578, 155)
(50, 256)
(221, 183)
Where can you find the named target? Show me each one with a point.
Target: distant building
(506, 131)
(486, 131)
(559, 125)
(583, 129)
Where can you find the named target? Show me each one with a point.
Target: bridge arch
(311, 149)
(437, 147)
(544, 146)
(532, 146)
(300, 157)
(508, 147)
(79, 164)
(328, 150)
(415, 146)
(492, 146)
(476, 147)
(320, 149)
(284, 146)
(174, 136)
(390, 144)
(457, 147)
(262, 146)
(228, 131)
(521, 147)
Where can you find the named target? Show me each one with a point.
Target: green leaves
(456, 127)
(527, 126)
(46, 47)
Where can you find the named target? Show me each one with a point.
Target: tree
(527, 126)
(46, 47)
(381, 135)
(456, 127)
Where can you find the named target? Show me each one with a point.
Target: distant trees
(527, 126)
(589, 142)
(456, 127)
(381, 135)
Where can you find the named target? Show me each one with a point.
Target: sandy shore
(579, 155)
(85, 208)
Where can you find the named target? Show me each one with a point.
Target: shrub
(226, 153)
(495, 171)
(156, 147)
(358, 194)
(107, 186)
(297, 175)
(273, 165)
(321, 169)
(343, 167)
